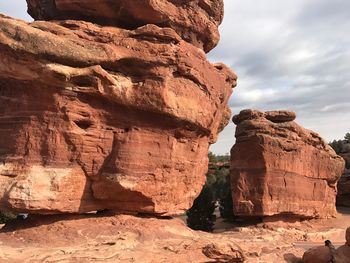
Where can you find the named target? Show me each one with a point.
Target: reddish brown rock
(98, 117)
(343, 252)
(280, 168)
(196, 21)
(321, 254)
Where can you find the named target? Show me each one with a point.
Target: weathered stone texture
(96, 117)
(280, 168)
(196, 21)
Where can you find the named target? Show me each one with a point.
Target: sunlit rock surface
(96, 117)
(280, 168)
(196, 21)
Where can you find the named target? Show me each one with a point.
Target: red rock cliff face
(196, 21)
(95, 117)
(280, 168)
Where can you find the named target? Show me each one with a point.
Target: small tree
(201, 215)
(212, 157)
(225, 200)
(347, 137)
(337, 146)
(6, 217)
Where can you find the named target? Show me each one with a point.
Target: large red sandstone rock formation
(196, 21)
(95, 117)
(280, 168)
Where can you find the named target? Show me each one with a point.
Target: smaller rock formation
(196, 21)
(343, 196)
(280, 168)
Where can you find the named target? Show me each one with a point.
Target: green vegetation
(337, 145)
(347, 137)
(201, 215)
(342, 147)
(6, 217)
(217, 190)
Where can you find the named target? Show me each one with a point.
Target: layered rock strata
(196, 21)
(95, 117)
(280, 168)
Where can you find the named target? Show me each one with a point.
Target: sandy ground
(123, 238)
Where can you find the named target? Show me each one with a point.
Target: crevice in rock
(84, 124)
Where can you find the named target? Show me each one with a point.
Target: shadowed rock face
(280, 168)
(98, 117)
(196, 21)
(343, 197)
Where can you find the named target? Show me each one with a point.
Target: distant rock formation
(343, 196)
(95, 117)
(196, 21)
(280, 168)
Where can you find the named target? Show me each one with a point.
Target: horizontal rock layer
(98, 117)
(280, 168)
(196, 21)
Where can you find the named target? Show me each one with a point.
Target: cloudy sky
(291, 54)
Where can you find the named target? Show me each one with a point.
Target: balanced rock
(196, 21)
(96, 117)
(280, 168)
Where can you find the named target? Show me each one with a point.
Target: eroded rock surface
(96, 117)
(280, 168)
(196, 21)
(125, 238)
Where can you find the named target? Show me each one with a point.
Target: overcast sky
(291, 54)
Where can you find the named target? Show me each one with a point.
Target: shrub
(201, 215)
(6, 217)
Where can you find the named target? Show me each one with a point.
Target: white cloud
(291, 54)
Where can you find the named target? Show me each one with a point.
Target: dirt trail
(122, 238)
